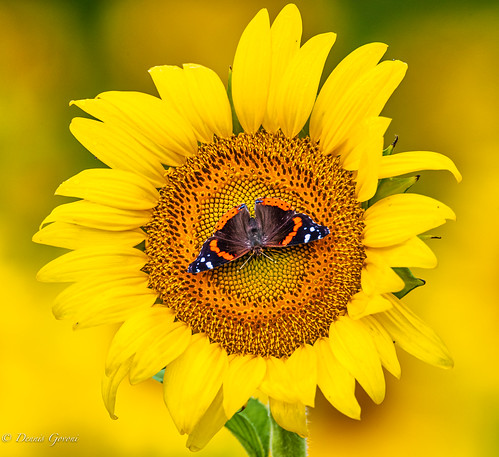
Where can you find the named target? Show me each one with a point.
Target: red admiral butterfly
(275, 225)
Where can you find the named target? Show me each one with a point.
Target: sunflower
(277, 325)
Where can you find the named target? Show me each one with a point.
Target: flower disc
(273, 303)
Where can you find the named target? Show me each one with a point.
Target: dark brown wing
(229, 242)
(281, 226)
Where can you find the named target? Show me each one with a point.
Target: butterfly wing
(229, 242)
(283, 227)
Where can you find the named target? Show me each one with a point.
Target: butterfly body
(275, 225)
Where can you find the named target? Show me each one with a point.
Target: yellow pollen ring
(298, 223)
(214, 247)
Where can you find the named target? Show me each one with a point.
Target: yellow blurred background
(54, 51)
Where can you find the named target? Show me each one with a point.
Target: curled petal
(290, 416)
(409, 162)
(413, 335)
(205, 429)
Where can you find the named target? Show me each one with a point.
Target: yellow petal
(277, 382)
(159, 350)
(210, 99)
(361, 305)
(98, 301)
(71, 236)
(369, 152)
(206, 428)
(110, 386)
(116, 188)
(118, 149)
(409, 162)
(379, 278)
(413, 335)
(98, 216)
(285, 35)
(192, 380)
(354, 348)
(349, 70)
(302, 366)
(84, 262)
(79, 295)
(147, 119)
(298, 88)
(335, 381)
(397, 218)
(365, 98)
(251, 73)
(411, 253)
(134, 331)
(290, 416)
(384, 345)
(243, 377)
(360, 142)
(173, 87)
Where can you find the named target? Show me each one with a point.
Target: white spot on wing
(209, 265)
(307, 237)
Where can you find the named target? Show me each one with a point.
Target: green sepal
(159, 376)
(391, 186)
(286, 443)
(251, 427)
(388, 151)
(236, 126)
(411, 282)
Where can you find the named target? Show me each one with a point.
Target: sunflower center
(268, 304)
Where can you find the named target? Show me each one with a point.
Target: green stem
(284, 443)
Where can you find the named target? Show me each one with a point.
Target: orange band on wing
(214, 247)
(228, 215)
(272, 201)
(298, 223)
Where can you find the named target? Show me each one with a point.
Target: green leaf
(391, 186)
(251, 427)
(236, 126)
(286, 443)
(411, 282)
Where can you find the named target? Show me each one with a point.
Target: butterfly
(275, 225)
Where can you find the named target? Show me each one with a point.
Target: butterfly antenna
(247, 260)
(267, 256)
